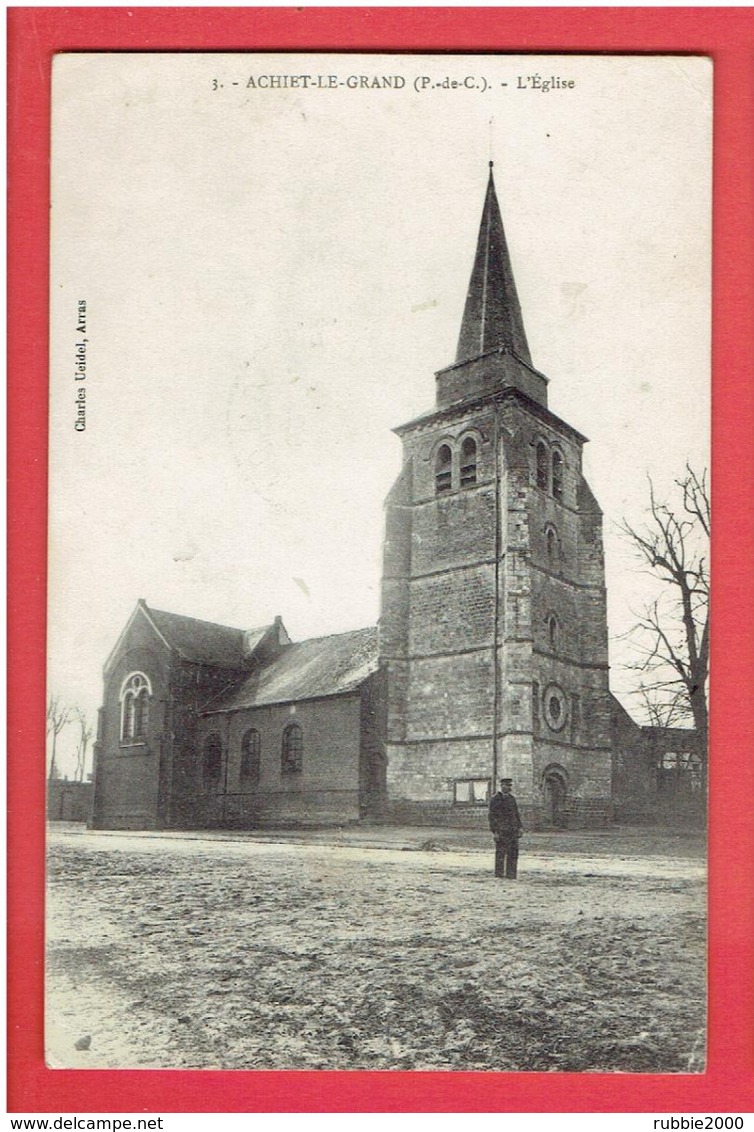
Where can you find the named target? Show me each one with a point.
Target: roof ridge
(317, 668)
(329, 636)
(258, 628)
(204, 621)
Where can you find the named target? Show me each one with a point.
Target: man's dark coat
(505, 823)
(504, 816)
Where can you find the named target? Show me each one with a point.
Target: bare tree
(58, 716)
(85, 736)
(672, 634)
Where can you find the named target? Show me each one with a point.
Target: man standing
(505, 823)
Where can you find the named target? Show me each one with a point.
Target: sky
(274, 272)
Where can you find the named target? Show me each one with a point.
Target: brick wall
(192, 687)
(127, 775)
(641, 793)
(373, 760)
(326, 789)
(68, 801)
(149, 783)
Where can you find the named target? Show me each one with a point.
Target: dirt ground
(325, 951)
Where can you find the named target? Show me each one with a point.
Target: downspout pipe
(496, 619)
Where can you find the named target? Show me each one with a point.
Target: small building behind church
(657, 773)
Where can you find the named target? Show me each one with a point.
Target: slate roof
(492, 315)
(202, 641)
(306, 670)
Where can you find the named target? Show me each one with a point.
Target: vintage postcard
(378, 560)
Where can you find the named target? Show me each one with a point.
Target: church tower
(493, 630)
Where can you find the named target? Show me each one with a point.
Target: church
(490, 656)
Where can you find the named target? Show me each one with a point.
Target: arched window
(443, 469)
(292, 758)
(553, 630)
(250, 756)
(553, 548)
(468, 462)
(557, 475)
(134, 708)
(212, 762)
(542, 466)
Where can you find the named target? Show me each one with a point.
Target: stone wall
(556, 631)
(448, 588)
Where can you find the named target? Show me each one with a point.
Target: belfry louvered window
(468, 462)
(443, 469)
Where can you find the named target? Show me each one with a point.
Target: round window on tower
(556, 707)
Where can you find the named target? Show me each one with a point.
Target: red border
(727, 34)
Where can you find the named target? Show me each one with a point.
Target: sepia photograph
(378, 638)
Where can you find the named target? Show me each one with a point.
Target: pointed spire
(492, 315)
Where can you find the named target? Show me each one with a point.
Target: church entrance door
(555, 792)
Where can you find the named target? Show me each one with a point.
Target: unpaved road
(196, 952)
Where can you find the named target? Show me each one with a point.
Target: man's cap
(506, 781)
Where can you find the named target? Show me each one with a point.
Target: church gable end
(131, 725)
